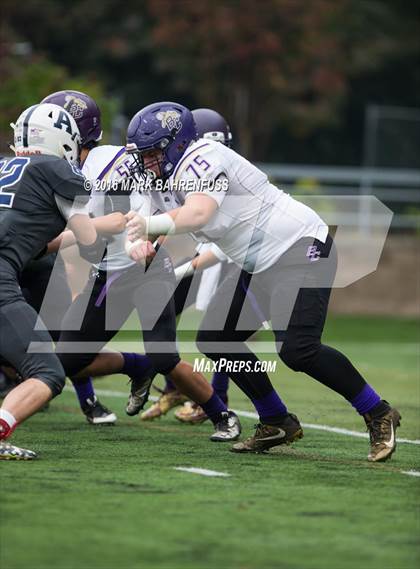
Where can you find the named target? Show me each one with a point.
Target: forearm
(204, 261)
(64, 240)
(110, 224)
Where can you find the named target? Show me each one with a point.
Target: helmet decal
(75, 106)
(170, 120)
(63, 120)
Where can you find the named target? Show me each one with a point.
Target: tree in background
(292, 76)
(35, 81)
(274, 63)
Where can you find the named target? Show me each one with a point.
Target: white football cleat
(227, 429)
(10, 452)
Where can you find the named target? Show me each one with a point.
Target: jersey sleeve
(66, 181)
(201, 172)
(69, 208)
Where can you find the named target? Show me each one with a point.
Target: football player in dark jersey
(41, 191)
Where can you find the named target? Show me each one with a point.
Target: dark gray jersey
(30, 217)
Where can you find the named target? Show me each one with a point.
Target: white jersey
(111, 164)
(256, 222)
(210, 277)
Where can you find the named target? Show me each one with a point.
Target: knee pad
(164, 363)
(206, 337)
(298, 358)
(74, 363)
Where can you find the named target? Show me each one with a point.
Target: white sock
(7, 418)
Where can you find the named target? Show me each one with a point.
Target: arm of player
(194, 214)
(104, 225)
(110, 224)
(91, 245)
(62, 241)
(199, 263)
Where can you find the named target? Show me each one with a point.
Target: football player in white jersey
(117, 285)
(198, 280)
(286, 262)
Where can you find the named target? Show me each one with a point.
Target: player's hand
(142, 252)
(136, 226)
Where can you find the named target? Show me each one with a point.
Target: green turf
(110, 497)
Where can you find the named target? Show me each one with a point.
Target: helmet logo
(75, 106)
(63, 120)
(170, 120)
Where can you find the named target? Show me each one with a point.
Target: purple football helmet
(211, 124)
(168, 127)
(85, 112)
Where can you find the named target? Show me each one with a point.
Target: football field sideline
(252, 415)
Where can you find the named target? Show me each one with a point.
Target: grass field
(110, 497)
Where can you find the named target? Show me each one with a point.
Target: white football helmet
(47, 129)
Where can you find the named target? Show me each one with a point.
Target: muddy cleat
(267, 436)
(139, 394)
(191, 413)
(98, 414)
(382, 430)
(165, 403)
(227, 429)
(10, 452)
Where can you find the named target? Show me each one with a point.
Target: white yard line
(411, 472)
(252, 415)
(202, 471)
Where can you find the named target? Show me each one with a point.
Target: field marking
(202, 471)
(411, 472)
(252, 415)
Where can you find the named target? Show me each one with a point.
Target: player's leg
(301, 349)
(42, 372)
(79, 347)
(45, 286)
(193, 413)
(159, 333)
(170, 396)
(215, 338)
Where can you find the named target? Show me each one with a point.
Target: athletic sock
(84, 390)
(220, 384)
(270, 409)
(135, 365)
(214, 408)
(8, 424)
(169, 385)
(366, 400)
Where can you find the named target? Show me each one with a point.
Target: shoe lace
(259, 430)
(378, 429)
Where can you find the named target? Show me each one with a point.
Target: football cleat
(165, 403)
(98, 414)
(227, 429)
(10, 452)
(382, 434)
(268, 436)
(139, 394)
(191, 413)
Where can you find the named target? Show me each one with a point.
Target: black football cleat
(98, 414)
